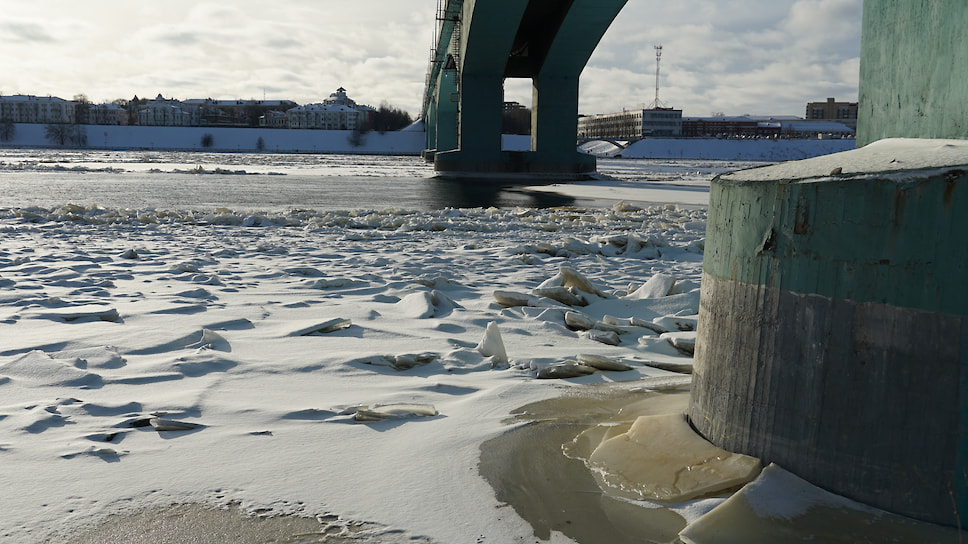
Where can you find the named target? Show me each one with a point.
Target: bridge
(479, 45)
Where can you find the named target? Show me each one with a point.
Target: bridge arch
(480, 44)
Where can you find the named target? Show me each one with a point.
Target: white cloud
(760, 56)
(738, 56)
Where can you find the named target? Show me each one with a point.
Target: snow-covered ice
(310, 362)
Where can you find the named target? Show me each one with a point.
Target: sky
(760, 57)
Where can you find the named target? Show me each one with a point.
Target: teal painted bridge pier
(482, 43)
(833, 322)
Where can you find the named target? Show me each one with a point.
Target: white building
(274, 119)
(36, 109)
(240, 113)
(339, 98)
(324, 117)
(161, 112)
(338, 112)
(107, 114)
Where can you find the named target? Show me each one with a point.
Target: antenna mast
(656, 104)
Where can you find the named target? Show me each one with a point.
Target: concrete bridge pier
(546, 41)
(833, 322)
(554, 124)
(441, 120)
(479, 137)
(833, 325)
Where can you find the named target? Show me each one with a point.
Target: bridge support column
(833, 328)
(554, 125)
(547, 41)
(479, 133)
(833, 325)
(444, 116)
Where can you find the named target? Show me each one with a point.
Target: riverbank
(723, 149)
(409, 142)
(231, 139)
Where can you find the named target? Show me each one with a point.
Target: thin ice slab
(660, 458)
(780, 507)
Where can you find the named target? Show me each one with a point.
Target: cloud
(768, 56)
(754, 56)
(25, 32)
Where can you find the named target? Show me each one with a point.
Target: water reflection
(469, 193)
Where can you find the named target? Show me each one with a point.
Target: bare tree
(7, 130)
(82, 110)
(64, 134)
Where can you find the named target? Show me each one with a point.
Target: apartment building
(107, 114)
(832, 110)
(338, 112)
(163, 112)
(36, 109)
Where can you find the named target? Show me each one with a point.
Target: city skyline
(756, 57)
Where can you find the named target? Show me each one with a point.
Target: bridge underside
(484, 42)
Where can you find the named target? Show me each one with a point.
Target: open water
(273, 182)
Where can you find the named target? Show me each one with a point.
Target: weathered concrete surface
(833, 329)
(858, 398)
(888, 228)
(913, 70)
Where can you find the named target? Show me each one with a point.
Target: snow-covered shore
(728, 149)
(412, 142)
(232, 139)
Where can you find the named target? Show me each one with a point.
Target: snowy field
(350, 367)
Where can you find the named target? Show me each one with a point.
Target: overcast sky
(732, 56)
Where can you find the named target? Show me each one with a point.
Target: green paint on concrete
(554, 122)
(487, 33)
(913, 70)
(894, 237)
(833, 323)
(548, 41)
(960, 484)
(439, 111)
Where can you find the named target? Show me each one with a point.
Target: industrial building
(632, 124)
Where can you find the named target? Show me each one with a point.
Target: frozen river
(274, 182)
(319, 348)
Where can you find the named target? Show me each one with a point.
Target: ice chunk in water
(781, 507)
(661, 458)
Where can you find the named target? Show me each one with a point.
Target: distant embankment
(720, 149)
(409, 142)
(231, 139)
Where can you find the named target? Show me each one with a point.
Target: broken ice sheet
(325, 327)
(380, 412)
(780, 507)
(162, 425)
(660, 458)
(403, 361)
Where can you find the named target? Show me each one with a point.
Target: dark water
(246, 181)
